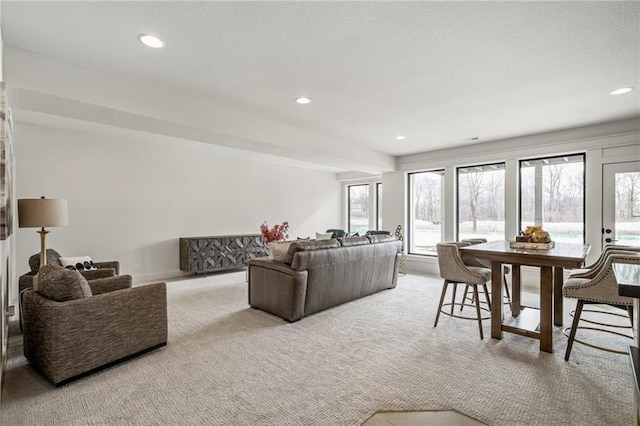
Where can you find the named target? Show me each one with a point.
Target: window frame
(378, 205)
(349, 186)
(457, 193)
(584, 187)
(410, 210)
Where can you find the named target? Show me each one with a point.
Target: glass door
(621, 204)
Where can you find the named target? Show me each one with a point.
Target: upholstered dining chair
(599, 287)
(590, 270)
(455, 271)
(484, 264)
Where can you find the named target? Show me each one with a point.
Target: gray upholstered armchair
(105, 269)
(72, 326)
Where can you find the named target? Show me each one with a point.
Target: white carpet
(227, 364)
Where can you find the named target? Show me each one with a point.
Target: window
(379, 206)
(552, 195)
(358, 208)
(481, 202)
(425, 211)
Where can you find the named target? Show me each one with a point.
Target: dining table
(551, 261)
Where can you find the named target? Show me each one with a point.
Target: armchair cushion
(98, 273)
(109, 284)
(60, 284)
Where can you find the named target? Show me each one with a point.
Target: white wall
(131, 200)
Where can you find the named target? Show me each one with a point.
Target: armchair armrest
(93, 274)
(114, 264)
(25, 281)
(65, 339)
(114, 283)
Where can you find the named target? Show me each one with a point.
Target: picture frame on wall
(6, 167)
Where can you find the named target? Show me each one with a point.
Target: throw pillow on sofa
(279, 249)
(61, 284)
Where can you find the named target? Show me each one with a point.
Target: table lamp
(42, 213)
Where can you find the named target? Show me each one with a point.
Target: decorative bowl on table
(533, 237)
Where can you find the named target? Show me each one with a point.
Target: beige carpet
(227, 364)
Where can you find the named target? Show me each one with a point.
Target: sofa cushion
(353, 241)
(60, 284)
(381, 238)
(377, 232)
(324, 236)
(308, 245)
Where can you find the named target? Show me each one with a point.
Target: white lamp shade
(42, 213)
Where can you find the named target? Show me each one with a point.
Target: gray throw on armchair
(72, 326)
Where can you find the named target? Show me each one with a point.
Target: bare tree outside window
(425, 211)
(627, 208)
(481, 202)
(552, 195)
(358, 208)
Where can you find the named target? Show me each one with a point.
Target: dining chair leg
(464, 297)
(486, 295)
(574, 328)
(475, 294)
(453, 298)
(444, 292)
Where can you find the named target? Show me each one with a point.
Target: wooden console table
(216, 253)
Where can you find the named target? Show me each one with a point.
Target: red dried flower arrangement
(277, 233)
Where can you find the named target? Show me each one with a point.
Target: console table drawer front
(204, 254)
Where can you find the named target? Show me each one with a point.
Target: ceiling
(439, 73)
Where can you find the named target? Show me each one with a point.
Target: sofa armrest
(65, 339)
(113, 264)
(277, 288)
(114, 283)
(272, 264)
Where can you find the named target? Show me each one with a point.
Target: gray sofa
(73, 326)
(317, 275)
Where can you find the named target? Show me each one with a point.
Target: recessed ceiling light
(302, 100)
(151, 41)
(622, 91)
(401, 138)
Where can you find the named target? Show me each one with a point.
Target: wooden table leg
(496, 295)
(546, 308)
(558, 280)
(515, 290)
